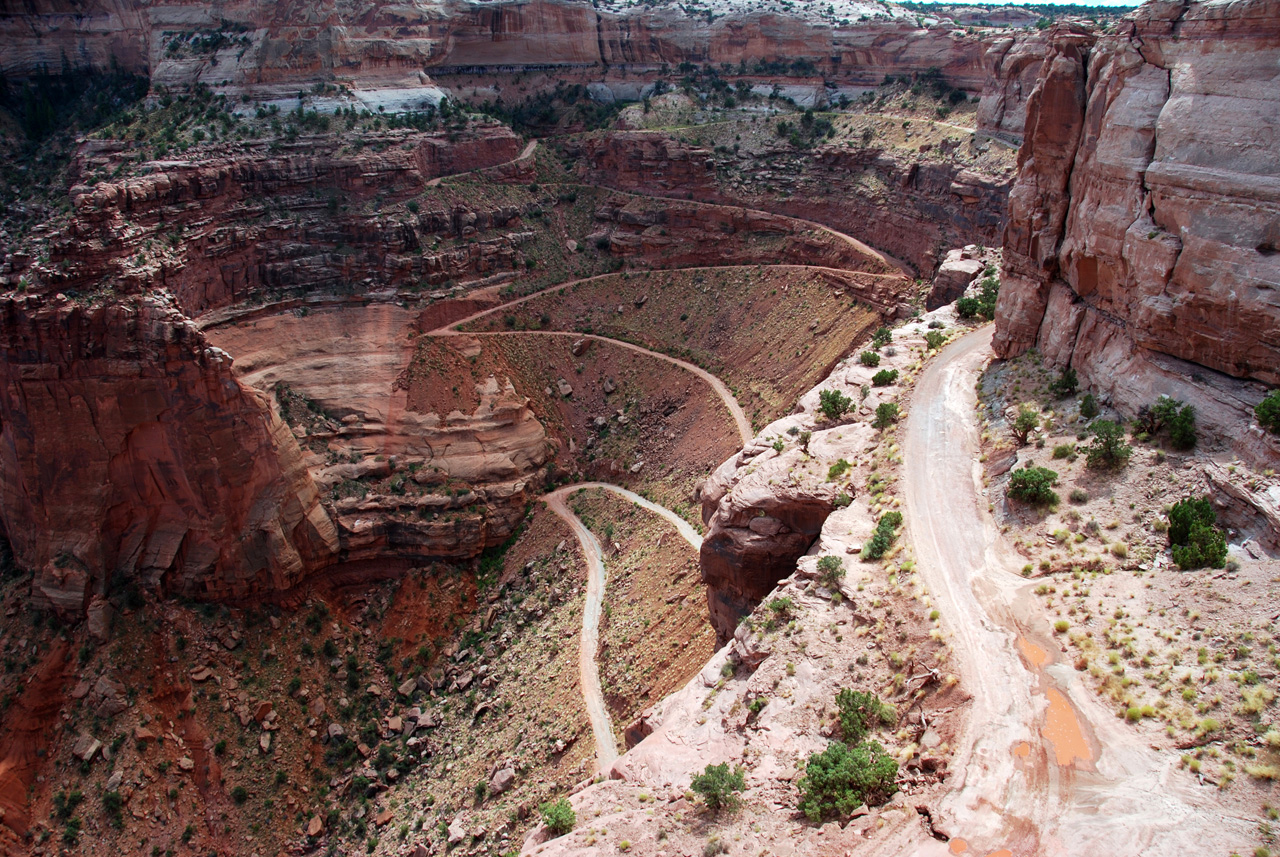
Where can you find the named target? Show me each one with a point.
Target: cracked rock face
(759, 522)
(1143, 241)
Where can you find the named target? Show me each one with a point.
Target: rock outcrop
(1142, 239)
(129, 453)
(756, 531)
(902, 203)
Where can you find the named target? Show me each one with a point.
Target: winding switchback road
(589, 643)
(1043, 767)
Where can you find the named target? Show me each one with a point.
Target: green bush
(1034, 485)
(1027, 421)
(239, 794)
(833, 404)
(860, 712)
(884, 377)
(882, 337)
(886, 415)
(113, 806)
(1088, 406)
(1064, 450)
(841, 778)
(1268, 412)
(967, 307)
(830, 570)
(558, 816)
(934, 339)
(884, 536)
(1065, 384)
(1108, 448)
(838, 469)
(1193, 538)
(719, 786)
(1182, 428)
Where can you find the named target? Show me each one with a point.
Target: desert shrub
(1268, 412)
(239, 794)
(886, 415)
(882, 337)
(934, 339)
(884, 377)
(1025, 423)
(1108, 448)
(1034, 485)
(1064, 450)
(1182, 428)
(841, 778)
(719, 786)
(833, 404)
(860, 712)
(1065, 384)
(838, 469)
(869, 358)
(967, 307)
(1079, 495)
(1088, 406)
(830, 570)
(558, 816)
(113, 806)
(1193, 538)
(884, 536)
(1151, 419)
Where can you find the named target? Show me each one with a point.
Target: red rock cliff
(129, 452)
(1141, 245)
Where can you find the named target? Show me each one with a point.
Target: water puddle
(1062, 730)
(1034, 655)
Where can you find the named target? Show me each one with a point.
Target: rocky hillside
(1141, 247)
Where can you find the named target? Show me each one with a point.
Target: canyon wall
(280, 47)
(1144, 227)
(904, 203)
(130, 453)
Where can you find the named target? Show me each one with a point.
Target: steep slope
(1141, 242)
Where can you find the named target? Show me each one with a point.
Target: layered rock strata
(129, 453)
(917, 206)
(1142, 240)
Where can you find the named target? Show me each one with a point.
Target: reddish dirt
(428, 608)
(28, 727)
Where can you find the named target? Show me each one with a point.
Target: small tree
(1034, 485)
(869, 358)
(1088, 406)
(886, 415)
(830, 571)
(719, 786)
(860, 712)
(1182, 428)
(967, 307)
(1026, 422)
(934, 339)
(884, 377)
(840, 779)
(1268, 412)
(884, 536)
(1194, 540)
(833, 404)
(1108, 448)
(1066, 384)
(558, 816)
(882, 337)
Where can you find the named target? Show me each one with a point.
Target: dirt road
(1043, 767)
(589, 642)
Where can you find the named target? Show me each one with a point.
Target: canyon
(418, 421)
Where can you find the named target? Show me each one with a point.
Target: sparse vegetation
(884, 377)
(834, 404)
(1108, 448)
(886, 415)
(1193, 538)
(558, 816)
(719, 786)
(1034, 485)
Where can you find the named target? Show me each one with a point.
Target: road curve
(745, 433)
(589, 642)
(1012, 785)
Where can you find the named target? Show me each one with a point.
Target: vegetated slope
(768, 332)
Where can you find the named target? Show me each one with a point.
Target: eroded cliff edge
(1141, 246)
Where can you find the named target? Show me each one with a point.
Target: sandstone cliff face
(917, 206)
(1142, 236)
(129, 453)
